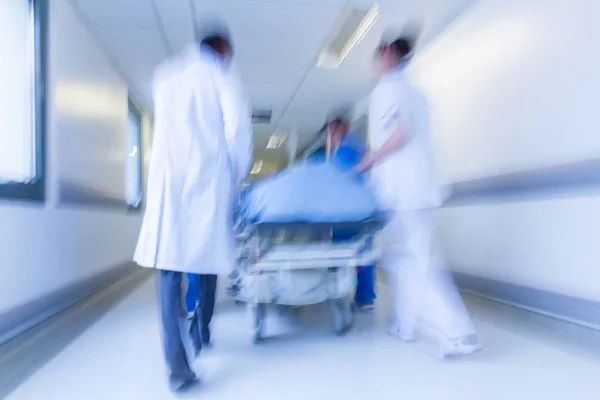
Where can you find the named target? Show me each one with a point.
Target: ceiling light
(256, 167)
(275, 141)
(353, 26)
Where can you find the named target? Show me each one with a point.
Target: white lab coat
(202, 150)
(406, 184)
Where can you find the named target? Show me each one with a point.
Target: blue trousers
(191, 296)
(365, 286)
(170, 306)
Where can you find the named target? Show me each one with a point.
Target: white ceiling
(276, 43)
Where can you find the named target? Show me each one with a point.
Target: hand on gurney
(368, 162)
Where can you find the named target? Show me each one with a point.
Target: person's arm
(396, 116)
(237, 122)
(395, 142)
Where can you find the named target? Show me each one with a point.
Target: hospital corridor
(299, 199)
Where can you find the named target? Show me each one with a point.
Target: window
(133, 167)
(21, 102)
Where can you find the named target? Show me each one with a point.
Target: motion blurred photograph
(299, 199)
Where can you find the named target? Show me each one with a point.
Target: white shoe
(459, 347)
(395, 331)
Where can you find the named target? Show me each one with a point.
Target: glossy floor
(119, 357)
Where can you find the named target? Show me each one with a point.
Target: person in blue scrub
(191, 296)
(347, 149)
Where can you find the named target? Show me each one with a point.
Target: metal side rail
(316, 255)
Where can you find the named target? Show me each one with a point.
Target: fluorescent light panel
(275, 141)
(353, 26)
(256, 167)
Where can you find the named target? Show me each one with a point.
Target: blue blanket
(311, 193)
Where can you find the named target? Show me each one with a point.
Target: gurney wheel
(257, 313)
(341, 314)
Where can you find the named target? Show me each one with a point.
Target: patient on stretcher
(313, 193)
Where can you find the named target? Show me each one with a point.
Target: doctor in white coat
(202, 150)
(403, 172)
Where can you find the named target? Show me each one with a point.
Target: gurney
(287, 258)
(302, 263)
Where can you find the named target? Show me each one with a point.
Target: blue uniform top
(350, 152)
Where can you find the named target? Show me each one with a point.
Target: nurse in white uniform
(202, 149)
(402, 167)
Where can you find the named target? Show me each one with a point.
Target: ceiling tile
(120, 13)
(258, 50)
(312, 3)
(286, 21)
(175, 14)
(179, 38)
(269, 95)
(144, 46)
(256, 74)
(275, 51)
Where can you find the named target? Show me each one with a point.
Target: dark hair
(339, 120)
(217, 43)
(403, 46)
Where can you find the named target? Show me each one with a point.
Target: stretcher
(301, 263)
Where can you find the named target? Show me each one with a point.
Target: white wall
(513, 85)
(48, 248)
(89, 110)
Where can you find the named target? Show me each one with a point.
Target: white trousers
(424, 292)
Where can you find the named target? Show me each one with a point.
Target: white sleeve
(237, 122)
(395, 106)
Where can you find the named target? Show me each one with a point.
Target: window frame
(35, 189)
(133, 109)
